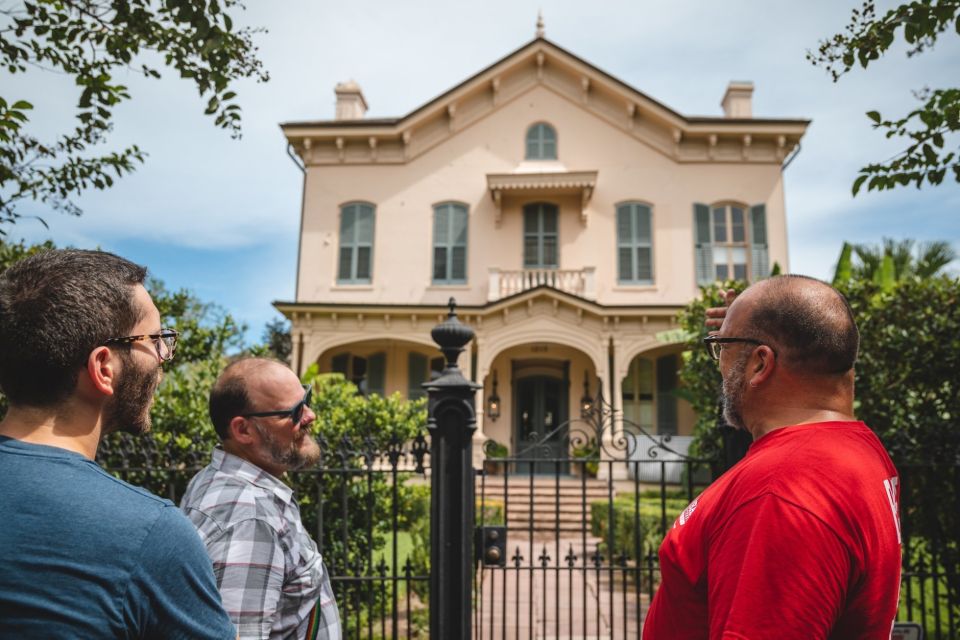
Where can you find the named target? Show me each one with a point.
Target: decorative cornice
(642, 116)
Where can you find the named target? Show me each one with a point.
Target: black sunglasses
(295, 413)
(714, 344)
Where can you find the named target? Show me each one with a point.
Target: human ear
(763, 364)
(102, 370)
(242, 430)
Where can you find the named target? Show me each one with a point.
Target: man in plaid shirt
(271, 576)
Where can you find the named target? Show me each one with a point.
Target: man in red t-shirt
(800, 539)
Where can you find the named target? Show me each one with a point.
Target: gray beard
(732, 394)
(289, 457)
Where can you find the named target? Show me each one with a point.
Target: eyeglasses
(295, 413)
(715, 344)
(165, 342)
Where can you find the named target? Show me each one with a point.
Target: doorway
(540, 425)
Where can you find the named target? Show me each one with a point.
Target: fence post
(451, 421)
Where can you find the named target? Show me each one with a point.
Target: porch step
(544, 503)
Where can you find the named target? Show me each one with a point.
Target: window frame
(633, 244)
(453, 207)
(725, 247)
(355, 244)
(539, 129)
(540, 234)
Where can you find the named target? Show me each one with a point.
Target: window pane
(739, 272)
(626, 264)
(458, 264)
(550, 251)
(736, 225)
(738, 255)
(439, 263)
(530, 219)
(644, 266)
(549, 218)
(624, 225)
(645, 376)
(346, 260)
(348, 217)
(643, 224)
(441, 225)
(722, 272)
(531, 254)
(720, 225)
(459, 222)
(549, 150)
(533, 150)
(363, 263)
(365, 225)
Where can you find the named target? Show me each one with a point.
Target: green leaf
(22, 105)
(874, 115)
(858, 183)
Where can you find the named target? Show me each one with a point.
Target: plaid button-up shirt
(271, 576)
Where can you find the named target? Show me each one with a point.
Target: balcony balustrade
(579, 282)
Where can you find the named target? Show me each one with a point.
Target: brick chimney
(738, 100)
(350, 102)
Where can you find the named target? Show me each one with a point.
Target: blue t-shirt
(84, 555)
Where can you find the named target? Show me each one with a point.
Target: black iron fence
(366, 502)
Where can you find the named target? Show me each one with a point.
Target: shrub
(625, 538)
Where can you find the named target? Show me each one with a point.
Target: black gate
(569, 527)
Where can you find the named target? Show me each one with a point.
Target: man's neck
(767, 424)
(59, 427)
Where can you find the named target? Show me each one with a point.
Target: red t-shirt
(799, 540)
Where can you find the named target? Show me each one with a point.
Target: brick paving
(540, 598)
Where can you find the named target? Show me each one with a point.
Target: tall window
(449, 243)
(731, 242)
(541, 142)
(649, 394)
(634, 244)
(540, 247)
(369, 373)
(356, 243)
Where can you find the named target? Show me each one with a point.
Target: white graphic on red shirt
(688, 512)
(890, 487)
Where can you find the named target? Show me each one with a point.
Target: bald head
(808, 322)
(230, 395)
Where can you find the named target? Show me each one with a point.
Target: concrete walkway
(546, 597)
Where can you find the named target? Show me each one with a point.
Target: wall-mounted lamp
(586, 401)
(493, 402)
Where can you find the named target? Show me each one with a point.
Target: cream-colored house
(570, 215)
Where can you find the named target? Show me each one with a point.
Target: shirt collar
(236, 466)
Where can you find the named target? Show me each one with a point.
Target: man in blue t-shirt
(85, 555)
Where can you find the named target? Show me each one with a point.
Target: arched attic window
(541, 142)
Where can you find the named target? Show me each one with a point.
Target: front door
(540, 433)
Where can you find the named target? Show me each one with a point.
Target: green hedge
(624, 515)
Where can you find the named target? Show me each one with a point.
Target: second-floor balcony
(579, 282)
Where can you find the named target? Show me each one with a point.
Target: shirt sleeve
(172, 593)
(775, 571)
(248, 563)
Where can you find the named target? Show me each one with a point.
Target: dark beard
(290, 457)
(732, 392)
(128, 410)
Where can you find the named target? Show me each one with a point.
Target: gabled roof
(523, 52)
(540, 61)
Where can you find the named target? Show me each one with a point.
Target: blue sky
(221, 216)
